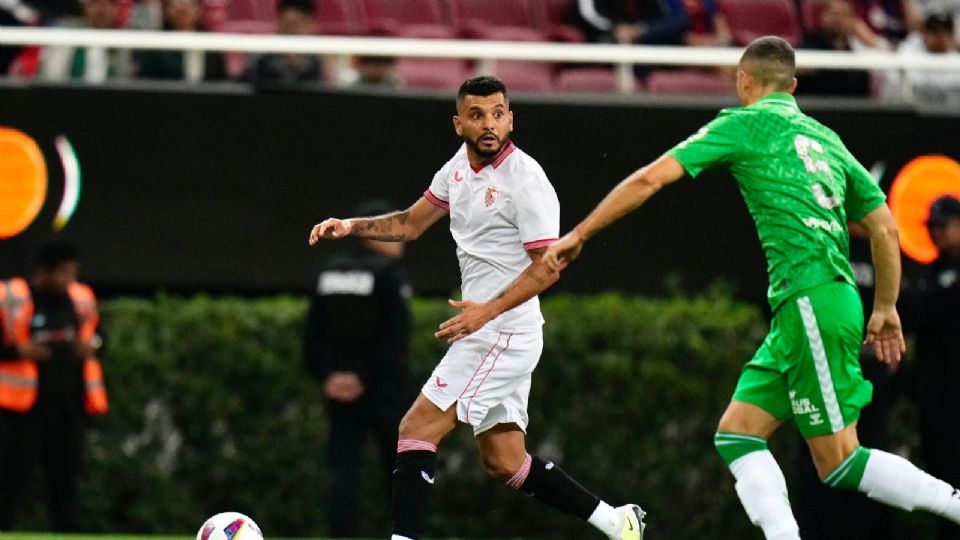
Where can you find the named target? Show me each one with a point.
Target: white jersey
(497, 214)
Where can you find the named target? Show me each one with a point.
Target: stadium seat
(525, 76)
(810, 13)
(556, 15)
(394, 17)
(338, 18)
(432, 73)
(250, 10)
(688, 82)
(479, 19)
(587, 79)
(750, 19)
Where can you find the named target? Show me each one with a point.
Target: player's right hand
(330, 228)
(563, 251)
(885, 333)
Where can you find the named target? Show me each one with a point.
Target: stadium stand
(750, 19)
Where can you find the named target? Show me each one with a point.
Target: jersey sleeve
(713, 145)
(439, 191)
(537, 213)
(863, 195)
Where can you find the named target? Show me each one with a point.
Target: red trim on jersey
(504, 154)
(537, 244)
(436, 201)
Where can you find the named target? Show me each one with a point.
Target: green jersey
(800, 184)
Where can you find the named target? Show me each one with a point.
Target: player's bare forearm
(393, 227)
(535, 279)
(386, 228)
(629, 194)
(885, 248)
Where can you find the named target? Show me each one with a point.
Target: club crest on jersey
(491, 196)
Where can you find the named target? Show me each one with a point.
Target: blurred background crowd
(910, 27)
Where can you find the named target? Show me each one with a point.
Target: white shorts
(487, 374)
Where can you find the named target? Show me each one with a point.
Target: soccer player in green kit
(801, 186)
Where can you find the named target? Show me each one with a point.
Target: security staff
(938, 351)
(50, 382)
(356, 342)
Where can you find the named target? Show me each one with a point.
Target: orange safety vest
(18, 379)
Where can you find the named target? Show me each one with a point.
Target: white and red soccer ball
(229, 526)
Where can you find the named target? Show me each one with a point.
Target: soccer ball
(229, 526)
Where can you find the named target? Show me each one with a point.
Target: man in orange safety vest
(50, 383)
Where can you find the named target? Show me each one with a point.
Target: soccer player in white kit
(504, 213)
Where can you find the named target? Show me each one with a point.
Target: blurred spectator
(88, 64)
(928, 86)
(838, 29)
(179, 16)
(376, 72)
(707, 27)
(355, 343)
(890, 19)
(294, 18)
(14, 13)
(938, 351)
(951, 7)
(50, 383)
(646, 22)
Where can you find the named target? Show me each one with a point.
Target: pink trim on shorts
(477, 391)
(521, 475)
(412, 445)
(484, 361)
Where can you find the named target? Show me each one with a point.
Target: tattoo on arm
(386, 228)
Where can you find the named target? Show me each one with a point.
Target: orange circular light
(23, 181)
(919, 183)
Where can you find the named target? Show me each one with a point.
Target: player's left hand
(885, 333)
(471, 318)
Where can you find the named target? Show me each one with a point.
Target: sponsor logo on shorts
(440, 384)
(803, 406)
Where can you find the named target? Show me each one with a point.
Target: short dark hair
(303, 6)
(938, 22)
(485, 85)
(53, 254)
(771, 61)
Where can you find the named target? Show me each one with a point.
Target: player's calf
(894, 481)
(548, 483)
(760, 485)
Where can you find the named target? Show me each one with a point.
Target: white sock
(895, 481)
(763, 492)
(398, 537)
(606, 518)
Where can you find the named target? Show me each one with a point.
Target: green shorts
(808, 367)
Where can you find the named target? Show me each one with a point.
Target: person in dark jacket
(938, 351)
(355, 344)
(179, 16)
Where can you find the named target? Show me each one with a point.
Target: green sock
(733, 446)
(848, 474)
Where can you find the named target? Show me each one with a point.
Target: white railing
(485, 52)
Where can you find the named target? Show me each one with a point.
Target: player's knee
(499, 468)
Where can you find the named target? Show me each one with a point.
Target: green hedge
(212, 410)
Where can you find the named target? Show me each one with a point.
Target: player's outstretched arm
(623, 199)
(535, 279)
(402, 226)
(884, 330)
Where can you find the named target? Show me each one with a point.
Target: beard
(486, 151)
